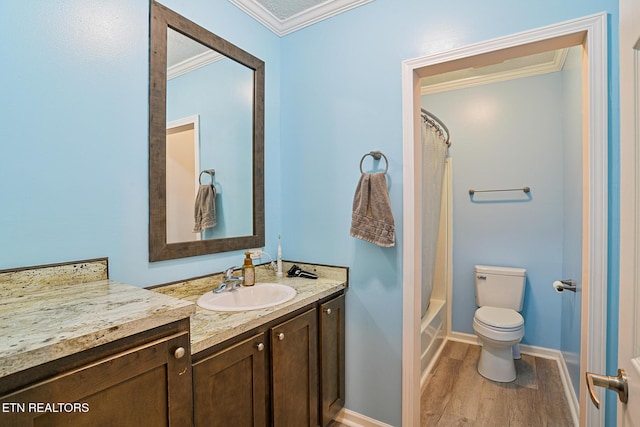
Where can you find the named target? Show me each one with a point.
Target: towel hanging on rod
(372, 216)
(434, 121)
(376, 155)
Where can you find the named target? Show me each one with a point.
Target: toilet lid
(503, 318)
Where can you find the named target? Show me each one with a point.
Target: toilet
(497, 322)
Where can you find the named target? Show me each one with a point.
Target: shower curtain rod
(439, 122)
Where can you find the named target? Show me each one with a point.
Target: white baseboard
(354, 419)
(569, 392)
(466, 338)
(546, 353)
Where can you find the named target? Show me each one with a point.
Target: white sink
(260, 295)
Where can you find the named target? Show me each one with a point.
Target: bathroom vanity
(279, 371)
(105, 353)
(280, 366)
(92, 353)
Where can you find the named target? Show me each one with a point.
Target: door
(629, 329)
(183, 169)
(591, 32)
(230, 387)
(294, 356)
(332, 370)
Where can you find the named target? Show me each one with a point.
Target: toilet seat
(499, 324)
(504, 319)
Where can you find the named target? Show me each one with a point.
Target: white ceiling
(284, 9)
(286, 16)
(181, 48)
(184, 54)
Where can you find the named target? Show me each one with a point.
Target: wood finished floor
(455, 394)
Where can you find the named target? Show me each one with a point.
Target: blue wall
(74, 156)
(73, 162)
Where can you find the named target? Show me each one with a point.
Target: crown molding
(193, 63)
(556, 64)
(300, 20)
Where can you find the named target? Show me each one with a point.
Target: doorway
(183, 164)
(589, 32)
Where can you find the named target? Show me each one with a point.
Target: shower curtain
(434, 150)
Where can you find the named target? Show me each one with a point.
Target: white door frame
(591, 31)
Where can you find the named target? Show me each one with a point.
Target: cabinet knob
(260, 346)
(281, 336)
(179, 352)
(327, 310)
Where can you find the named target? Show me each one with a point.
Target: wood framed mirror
(210, 93)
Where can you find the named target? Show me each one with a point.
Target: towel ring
(376, 155)
(211, 172)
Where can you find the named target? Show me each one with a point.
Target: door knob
(618, 384)
(179, 352)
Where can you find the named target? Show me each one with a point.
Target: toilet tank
(501, 287)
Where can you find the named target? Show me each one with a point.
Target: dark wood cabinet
(332, 354)
(230, 387)
(287, 373)
(294, 350)
(148, 384)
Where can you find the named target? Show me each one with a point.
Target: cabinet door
(294, 354)
(332, 341)
(230, 387)
(148, 385)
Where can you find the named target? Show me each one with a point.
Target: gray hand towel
(205, 208)
(372, 217)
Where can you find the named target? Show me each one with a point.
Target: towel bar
(524, 189)
(376, 155)
(211, 172)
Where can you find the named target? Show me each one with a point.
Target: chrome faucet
(230, 282)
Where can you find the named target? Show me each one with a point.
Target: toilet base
(496, 362)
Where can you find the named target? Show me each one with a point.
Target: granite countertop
(43, 322)
(209, 328)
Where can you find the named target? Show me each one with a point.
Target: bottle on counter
(248, 270)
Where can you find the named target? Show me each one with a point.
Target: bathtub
(432, 336)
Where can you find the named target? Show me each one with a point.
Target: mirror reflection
(209, 143)
(206, 141)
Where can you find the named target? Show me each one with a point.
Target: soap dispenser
(248, 270)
